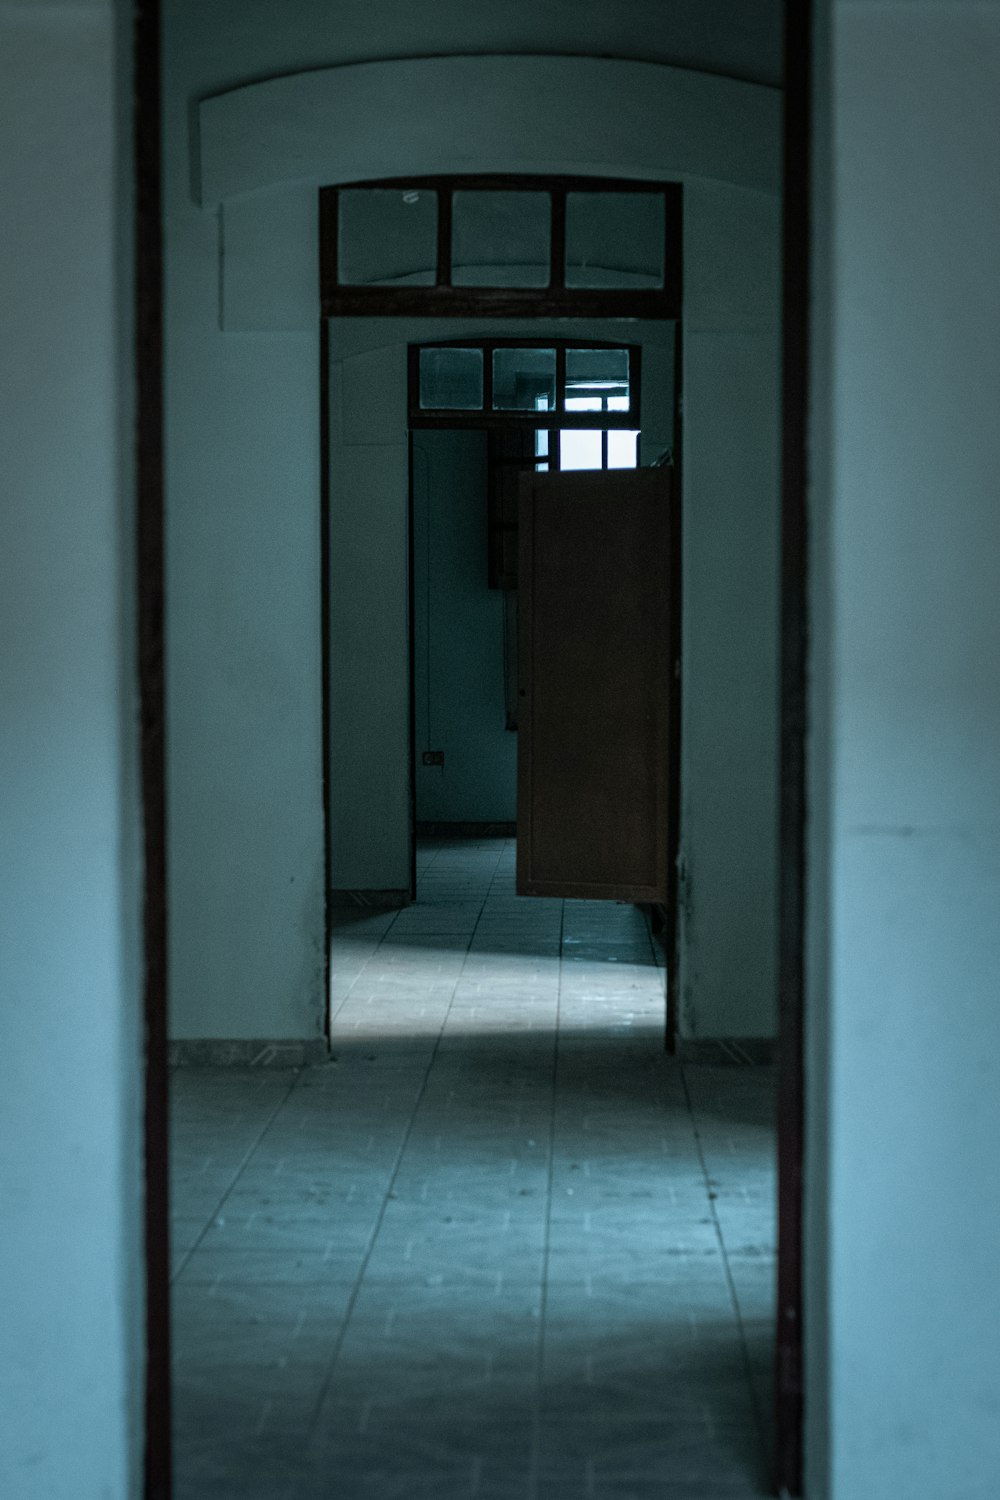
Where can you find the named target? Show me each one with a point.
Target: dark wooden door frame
(148, 289)
(797, 248)
(148, 476)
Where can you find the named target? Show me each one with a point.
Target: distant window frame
(557, 417)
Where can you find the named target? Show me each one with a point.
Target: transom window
(534, 246)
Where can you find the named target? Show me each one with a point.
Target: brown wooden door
(594, 655)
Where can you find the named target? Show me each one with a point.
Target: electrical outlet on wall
(433, 757)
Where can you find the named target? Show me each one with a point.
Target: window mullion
(557, 241)
(443, 276)
(487, 377)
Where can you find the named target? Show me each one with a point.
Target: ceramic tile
(500, 1248)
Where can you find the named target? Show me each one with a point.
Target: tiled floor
(500, 1248)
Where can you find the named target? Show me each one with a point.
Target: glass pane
(451, 379)
(500, 239)
(622, 449)
(524, 379)
(579, 450)
(614, 239)
(600, 372)
(388, 237)
(584, 403)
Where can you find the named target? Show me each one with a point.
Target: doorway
(384, 950)
(489, 420)
(371, 409)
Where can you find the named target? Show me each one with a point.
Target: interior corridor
(500, 1247)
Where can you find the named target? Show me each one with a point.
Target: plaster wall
(459, 634)
(243, 479)
(905, 862)
(70, 1011)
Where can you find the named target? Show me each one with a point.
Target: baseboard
(466, 830)
(246, 1052)
(729, 1051)
(386, 900)
(657, 913)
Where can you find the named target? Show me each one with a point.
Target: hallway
(500, 1246)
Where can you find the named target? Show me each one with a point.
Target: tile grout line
(366, 1257)
(730, 1282)
(241, 1168)
(534, 1479)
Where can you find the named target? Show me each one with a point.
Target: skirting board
(467, 830)
(729, 1051)
(246, 1052)
(386, 900)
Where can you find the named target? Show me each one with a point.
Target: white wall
(729, 848)
(70, 1057)
(460, 634)
(243, 444)
(369, 708)
(243, 625)
(906, 701)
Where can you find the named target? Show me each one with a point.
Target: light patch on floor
(499, 1248)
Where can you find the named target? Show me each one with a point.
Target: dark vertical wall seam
(148, 292)
(672, 934)
(411, 626)
(788, 1467)
(324, 594)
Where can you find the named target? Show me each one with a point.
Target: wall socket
(433, 757)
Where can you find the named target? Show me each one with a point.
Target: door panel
(595, 653)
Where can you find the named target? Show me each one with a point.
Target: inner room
(424, 701)
(506, 1227)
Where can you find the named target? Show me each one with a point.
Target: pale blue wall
(902, 1011)
(71, 1324)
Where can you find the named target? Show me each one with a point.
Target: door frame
(150, 579)
(795, 607)
(490, 304)
(147, 332)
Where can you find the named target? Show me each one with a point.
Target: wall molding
(494, 112)
(729, 1051)
(247, 1052)
(501, 829)
(380, 900)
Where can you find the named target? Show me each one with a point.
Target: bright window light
(579, 448)
(622, 449)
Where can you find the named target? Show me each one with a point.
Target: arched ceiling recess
(441, 115)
